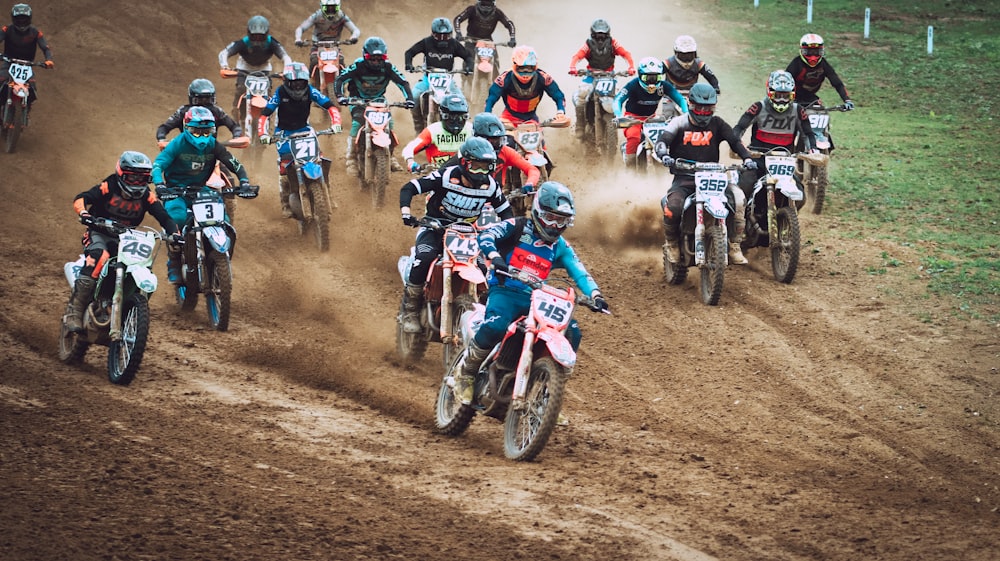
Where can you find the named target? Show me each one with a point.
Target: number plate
(208, 210)
(258, 85)
(463, 246)
(652, 131)
(780, 166)
(305, 148)
(20, 73)
(550, 309)
(329, 54)
(485, 52)
(377, 117)
(529, 140)
(819, 121)
(710, 185)
(604, 86)
(439, 80)
(135, 247)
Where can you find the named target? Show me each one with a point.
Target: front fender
(608, 104)
(312, 170)
(536, 158)
(218, 238)
(381, 138)
(472, 274)
(144, 279)
(717, 208)
(558, 346)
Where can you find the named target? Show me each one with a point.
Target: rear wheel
(451, 416)
(381, 178)
(71, 346)
(673, 273)
(529, 424)
(220, 291)
(321, 213)
(785, 245)
(713, 271)
(816, 188)
(125, 354)
(409, 346)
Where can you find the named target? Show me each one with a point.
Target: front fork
(772, 211)
(523, 368)
(115, 332)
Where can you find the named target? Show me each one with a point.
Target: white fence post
(868, 19)
(809, 11)
(930, 39)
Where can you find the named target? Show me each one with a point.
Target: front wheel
(785, 245)
(321, 213)
(529, 423)
(381, 177)
(14, 132)
(713, 271)
(219, 291)
(452, 418)
(125, 354)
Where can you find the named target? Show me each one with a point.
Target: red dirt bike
(374, 144)
(813, 168)
(523, 379)
(486, 70)
(706, 221)
(117, 314)
(454, 283)
(772, 220)
(327, 66)
(596, 115)
(258, 91)
(652, 128)
(529, 141)
(307, 172)
(15, 104)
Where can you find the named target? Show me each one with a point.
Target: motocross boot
(394, 164)
(735, 253)
(630, 161)
(350, 160)
(284, 193)
(671, 247)
(419, 122)
(82, 291)
(413, 300)
(467, 368)
(174, 264)
(581, 120)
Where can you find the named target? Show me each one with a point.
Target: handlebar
(535, 283)
(242, 191)
(362, 102)
(282, 135)
(760, 152)
(426, 70)
(230, 73)
(599, 73)
(691, 165)
(24, 62)
(817, 105)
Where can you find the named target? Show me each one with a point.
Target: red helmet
(811, 49)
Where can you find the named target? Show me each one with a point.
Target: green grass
(916, 161)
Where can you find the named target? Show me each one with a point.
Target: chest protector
(777, 128)
(443, 144)
(683, 78)
(325, 29)
(254, 55)
(524, 98)
(602, 55)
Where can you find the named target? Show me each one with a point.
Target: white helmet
(651, 73)
(685, 50)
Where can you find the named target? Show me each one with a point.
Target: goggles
(687, 57)
(201, 132)
(600, 36)
(136, 178)
(258, 37)
(702, 110)
(298, 85)
(554, 220)
(480, 167)
(441, 36)
(379, 58)
(525, 70)
(203, 99)
(781, 96)
(652, 78)
(812, 51)
(497, 142)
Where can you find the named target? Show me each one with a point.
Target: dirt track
(817, 420)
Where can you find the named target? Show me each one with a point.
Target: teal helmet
(199, 127)
(454, 112)
(487, 125)
(478, 159)
(701, 104)
(296, 81)
(258, 30)
(553, 210)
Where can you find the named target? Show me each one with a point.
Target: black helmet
(701, 103)
(487, 125)
(201, 92)
(552, 211)
(486, 7)
(454, 112)
(478, 160)
(20, 16)
(375, 51)
(296, 81)
(134, 174)
(600, 30)
(441, 30)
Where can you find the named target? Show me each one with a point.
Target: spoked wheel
(381, 177)
(463, 303)
(409, 346)
(186, 296)
(816, 188)
(529, 424)
(219, 291)
(673, 273)
(609, 139)
(713, 272)
(321, 214)
(14, 132)
(785, 245)
(72, 346)
(125, 354)
(451, 417)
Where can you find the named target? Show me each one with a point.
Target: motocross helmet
(488, 126)
(478, 160)
(454, 113)
(201, 92)
(811, 49)
(257, 29)
(651, 73)
(199, 127)
(486, 7)
(375, 52)
(296, 81)
(780, 90)
(600, 31)
(525, 63)
(20, 17)
(441, 30)
(134, 174)
(701, 104)
(552, 211)
(330, 8)
(685, 51)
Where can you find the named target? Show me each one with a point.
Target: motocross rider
(21, 40)
(522, 88)
(439, 50)
(684, 67)
(778, 122)
(600, 51)
(255, 50)
(292, 100)
(534, 245)
(811, 68)
(639, 98)
(456, 193)
(483, 17)
(368, 78)
(201, 92)
(327, 23)
(188, 161)
(696, 135)
(123, 196)
(441, 140)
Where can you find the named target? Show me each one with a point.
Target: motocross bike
(706, 220)
(374, 145)
(523, 379)
(258, 92)
(813, 168)
(439, 82)
(15, 104)
(529, 142)
(328, 66)
(598, 112)
(477, 87)
(307, 174)
(652, 128)
(117, 315)
(454, 283)
(772, 220)
(669, 109)
(209, 241)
